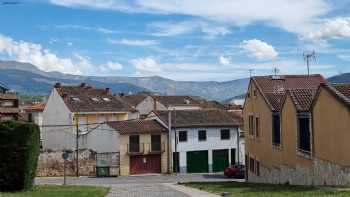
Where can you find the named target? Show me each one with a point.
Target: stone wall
(321, 173)
(51, 164)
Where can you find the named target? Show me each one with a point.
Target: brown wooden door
(143, 164)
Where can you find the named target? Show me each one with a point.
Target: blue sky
(196, 40)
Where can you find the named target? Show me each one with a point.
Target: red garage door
(143, 164)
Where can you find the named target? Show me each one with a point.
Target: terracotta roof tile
(303, 98)
(340, 91)
(35, 107)
(176, 100)
(9, 96)
(274, 88)
(137, 126)
(199, 118)
(8, 110)
(89, 99)
(134, 99)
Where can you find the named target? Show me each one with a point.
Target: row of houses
(9, 104)
(298, 130)
(151, 133)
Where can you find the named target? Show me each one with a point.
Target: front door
(197, 161)
(220, 160)
(144, 164)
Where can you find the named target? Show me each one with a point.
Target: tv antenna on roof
(276, 70)
(308, 57)
(250, 72)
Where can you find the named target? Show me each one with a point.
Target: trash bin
(102, 171)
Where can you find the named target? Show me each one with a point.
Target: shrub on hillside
(19, 151)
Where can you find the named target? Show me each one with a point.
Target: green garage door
(197, 161)
(220, 160)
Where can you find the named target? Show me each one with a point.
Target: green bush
(19, 151)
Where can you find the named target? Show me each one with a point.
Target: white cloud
(170, 28)
(336, 28)
(224, 60)
(345, 57)
(297, 16)
(105, 30)
(114, 66)
(134, 42)
(259, 49)
(45, 60)
(147, 64)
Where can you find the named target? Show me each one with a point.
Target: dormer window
(187, 102)
(75, 99)
(106, 99)
(95, 99)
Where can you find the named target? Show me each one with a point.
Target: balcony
(156, 148)
(136, 149)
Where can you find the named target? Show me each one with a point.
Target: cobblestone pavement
(141, 186)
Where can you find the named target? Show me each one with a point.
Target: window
(30, 117)
(257, 168)
(251, 125)
(257, 127)
(252, 164)
(75, 99)
(155, 143)
(106, 99)
(233, 156)
(254, 92)
(304, 133)
(134, 143)
(202, 135)
(182, 136)
(225, 134)
(276, 130)
(95, 99)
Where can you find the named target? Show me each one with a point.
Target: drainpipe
(169, 144)
(238, 148)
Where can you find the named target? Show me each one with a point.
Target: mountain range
(27, 79)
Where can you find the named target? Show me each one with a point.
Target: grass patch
(60, 191)
(267, 190)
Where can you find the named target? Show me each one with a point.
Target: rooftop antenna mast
(308, 57)
(250, 72)
(275, 70)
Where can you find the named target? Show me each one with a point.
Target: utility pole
(77, 146)
(308, 57)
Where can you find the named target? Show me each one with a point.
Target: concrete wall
(145, 140)
(103, 139)
(57, 113)
(213, 142)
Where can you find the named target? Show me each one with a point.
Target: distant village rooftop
(84, 98)
(199, 118)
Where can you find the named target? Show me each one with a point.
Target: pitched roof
(35, 107)
(137, 126)
(176, 100)
(8, 96)
(8, 110)
(134, 99)
(340, 91)
(274, 88)
(84, 98)
(208, 104)
(198, 118)
(303, 98)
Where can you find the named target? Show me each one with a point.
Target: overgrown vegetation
(60, 191)
(267, 190)
(19, 151)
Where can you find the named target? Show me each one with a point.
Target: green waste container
(102, 171)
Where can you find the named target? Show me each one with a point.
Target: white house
(79, 109)
(145, 103)
(204, 141)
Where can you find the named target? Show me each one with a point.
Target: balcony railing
(156, 148)
(135, 149)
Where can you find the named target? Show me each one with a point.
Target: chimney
(121, 94)
(65, 97)
(108, 91)
(57, 85)
(82, 85)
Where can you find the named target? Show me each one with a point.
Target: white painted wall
(213, 142)
(102, 139)
(57, 113)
